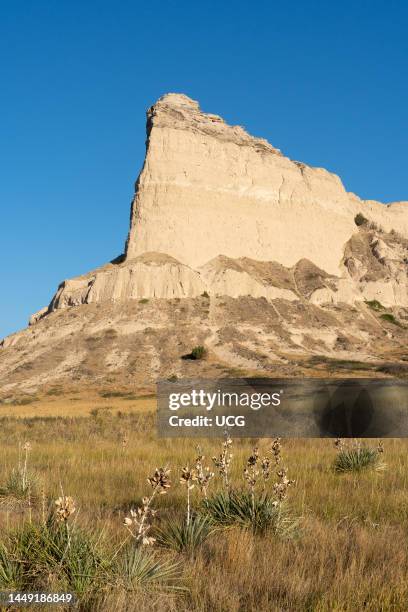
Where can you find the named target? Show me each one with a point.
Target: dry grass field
(348, 550)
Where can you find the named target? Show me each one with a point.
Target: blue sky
(326, 82)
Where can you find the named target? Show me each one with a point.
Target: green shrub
(198, 352)
(143, 301)
(259, 514)
(357, 459)
(375, 305)
(181, 536)
(387, 316)
(360, 219)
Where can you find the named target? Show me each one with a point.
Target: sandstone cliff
(207, 189)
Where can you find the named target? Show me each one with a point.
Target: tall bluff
(219, 211)
(207, 188)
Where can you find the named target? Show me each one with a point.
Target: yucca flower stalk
(138, 523)
(203, 473)
(266, 471)
(64, 508)
(188, 476)
(23, 469)
(281, 487)
(223, 461)
(276, 450)
(251, 473)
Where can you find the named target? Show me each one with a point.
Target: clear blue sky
(326, 82)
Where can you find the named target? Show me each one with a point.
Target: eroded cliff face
(208, 189)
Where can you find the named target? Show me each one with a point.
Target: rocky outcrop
(147, 276)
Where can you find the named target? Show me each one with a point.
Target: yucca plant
(358, 459)
(259, 513)
(21, 483)
(74, 559)
(183, 536)
(141, 567)
(353, 457)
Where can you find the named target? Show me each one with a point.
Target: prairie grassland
(351, 553)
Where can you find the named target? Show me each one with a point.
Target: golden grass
(352, 553)
(75, 404)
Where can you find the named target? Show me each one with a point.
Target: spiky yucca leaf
(185, 537)
(10, 570)
(140, 567)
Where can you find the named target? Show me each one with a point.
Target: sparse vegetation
(257, 508)
(24, 401)
(111, 332)
(198, 352)
(262, 514)
(387, 316)
(360, 220)
(394, 369)
(333, 365)
(144, 301)
(121, 394)
(375, 305)
(54, 391)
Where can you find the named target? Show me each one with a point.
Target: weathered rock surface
(146, 276)
(133, 343)
(208, 189)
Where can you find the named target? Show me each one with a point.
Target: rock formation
(221, 215)
(210, 196)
